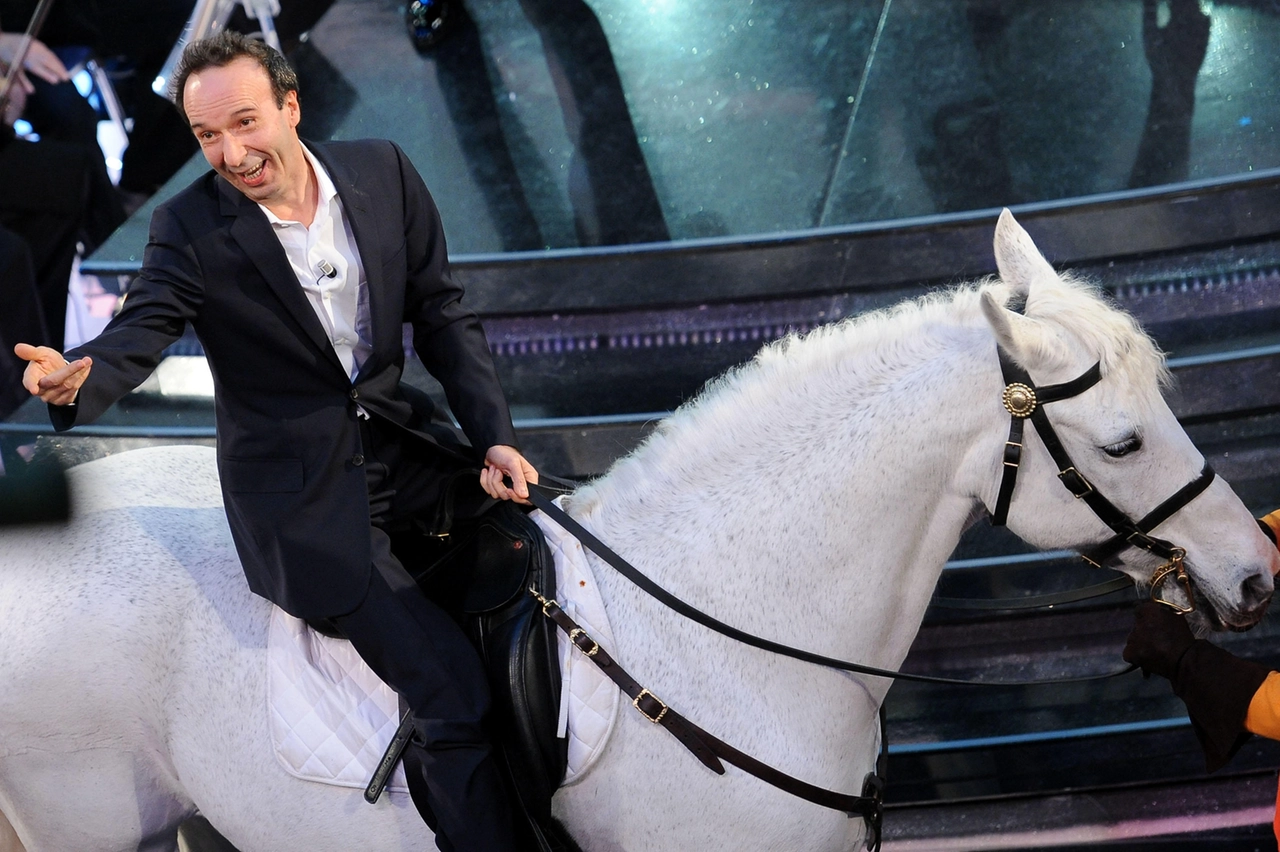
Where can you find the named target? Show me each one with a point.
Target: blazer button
(355, 393)
(357, 459)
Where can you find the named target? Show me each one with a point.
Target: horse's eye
(1123, 448)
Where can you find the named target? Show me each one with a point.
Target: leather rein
(1024, 401)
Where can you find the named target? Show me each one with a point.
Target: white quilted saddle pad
(589, 701)
(331, 718)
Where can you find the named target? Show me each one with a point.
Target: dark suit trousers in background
(21, 317)
(421, 653)
(54, 195)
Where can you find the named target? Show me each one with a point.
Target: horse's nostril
(1256, 590)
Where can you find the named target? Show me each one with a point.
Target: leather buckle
(1075, 482)
(587, 646)
(873, 789)
(654, 718)
(1012, 453)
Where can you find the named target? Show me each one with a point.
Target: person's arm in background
(1263, 717)
(40, 61)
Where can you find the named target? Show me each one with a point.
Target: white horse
(811, 497)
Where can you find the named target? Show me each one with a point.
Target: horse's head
(1125, 445)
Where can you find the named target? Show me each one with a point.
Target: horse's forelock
(1125, 350)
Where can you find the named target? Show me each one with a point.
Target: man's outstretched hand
(502, 461)
(49, 376)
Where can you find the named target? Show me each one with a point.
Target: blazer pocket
(262, 476)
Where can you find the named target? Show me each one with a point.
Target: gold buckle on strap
(547, 603)
(635, 702)
(1012, 454)
(590, 647)
(1075, 482)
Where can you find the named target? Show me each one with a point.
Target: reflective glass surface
(756, 117)
(562, 123)
(765, 116)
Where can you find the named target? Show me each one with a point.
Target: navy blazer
(289, 448)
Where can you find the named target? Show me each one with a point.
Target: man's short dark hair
(224, 48)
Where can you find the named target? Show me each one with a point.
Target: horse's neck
(822, 528)
(814, 518)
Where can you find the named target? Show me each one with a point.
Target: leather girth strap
(705, 746)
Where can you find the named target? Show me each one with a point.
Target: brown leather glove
(1216, 685)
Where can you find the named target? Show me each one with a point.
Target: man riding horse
(297, 263)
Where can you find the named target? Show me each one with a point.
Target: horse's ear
(1019, 261)
(1022, 337)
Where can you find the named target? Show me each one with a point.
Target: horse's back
(134, 661)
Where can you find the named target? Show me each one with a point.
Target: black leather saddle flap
(485, 562)
(518, 645)
(481, 574)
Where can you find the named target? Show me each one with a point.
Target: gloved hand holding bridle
(1158, 640)
(1216, 685)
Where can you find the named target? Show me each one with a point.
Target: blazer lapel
(359, 210)
(252, 232)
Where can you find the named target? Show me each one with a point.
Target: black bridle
(1025, 401)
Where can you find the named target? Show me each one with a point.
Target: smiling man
(297, 265)
(256, 150)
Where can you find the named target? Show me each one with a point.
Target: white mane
(1123, 347)
(848, 363)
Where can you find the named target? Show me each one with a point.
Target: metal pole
(209, 17)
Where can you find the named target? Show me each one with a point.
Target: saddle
(480, 572)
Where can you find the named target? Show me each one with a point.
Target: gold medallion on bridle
(1019, 399)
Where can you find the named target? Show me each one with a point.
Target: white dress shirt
(328, 266)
